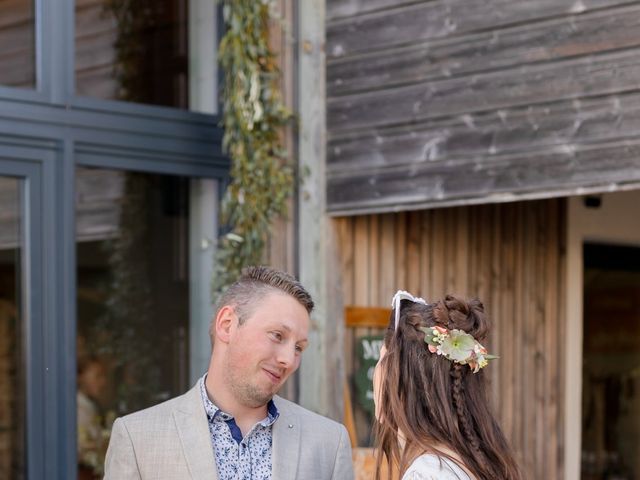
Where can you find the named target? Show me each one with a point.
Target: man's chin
(261, 398)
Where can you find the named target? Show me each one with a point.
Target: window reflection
(133, 300)
(12, 434)
(17, 50)
(133, 51)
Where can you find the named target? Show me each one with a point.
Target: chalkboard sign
(368, 352)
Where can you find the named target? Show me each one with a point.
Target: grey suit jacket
(171, 441)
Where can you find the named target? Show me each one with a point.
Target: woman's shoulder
(433, 467)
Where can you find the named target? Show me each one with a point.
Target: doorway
(611, 362)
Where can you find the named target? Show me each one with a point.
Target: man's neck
(245, 416)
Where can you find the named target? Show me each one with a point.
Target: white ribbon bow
(402, 295)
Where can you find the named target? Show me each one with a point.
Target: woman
(433, 415)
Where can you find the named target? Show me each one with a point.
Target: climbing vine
(261, 178)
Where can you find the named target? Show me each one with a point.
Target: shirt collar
(214, 412)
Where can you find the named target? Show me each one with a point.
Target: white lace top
(432, 467)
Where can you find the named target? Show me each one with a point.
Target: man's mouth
(274, 376)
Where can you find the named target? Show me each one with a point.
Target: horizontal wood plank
(572, 35)
(506, 177)
(441, 18)
(16, 13)
(523, 85)
(348, 8)
(525, 129)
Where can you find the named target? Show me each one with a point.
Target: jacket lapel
(193, 429)
(286, 443)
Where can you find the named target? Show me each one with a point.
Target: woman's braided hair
(434, 402)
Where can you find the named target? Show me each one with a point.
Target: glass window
(17, 45)
(133, 51)
(133, 299)
(611, 365)
(12, 399)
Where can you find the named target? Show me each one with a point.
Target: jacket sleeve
(343, 466)
(121, 463)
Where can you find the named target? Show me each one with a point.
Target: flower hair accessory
(398, 297)
(457, 346)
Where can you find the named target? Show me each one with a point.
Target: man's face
(266, 349)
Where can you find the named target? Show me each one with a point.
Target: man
(231, 425)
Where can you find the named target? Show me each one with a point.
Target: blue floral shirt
(238, 458)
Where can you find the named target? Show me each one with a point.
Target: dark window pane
(12, 399)
(133, 300)
(17, 46)
(611, 364)
(133, 51)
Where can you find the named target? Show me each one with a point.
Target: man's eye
(276, 335)
(299, 349)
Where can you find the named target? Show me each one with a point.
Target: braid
(458, 403)
(465, 422)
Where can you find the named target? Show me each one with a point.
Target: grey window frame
(45, 133)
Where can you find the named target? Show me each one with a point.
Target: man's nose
(287, 355)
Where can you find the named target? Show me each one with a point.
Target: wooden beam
(322, 371)
(375, 317)
(556, 172)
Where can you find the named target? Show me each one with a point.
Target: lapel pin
(290, 425)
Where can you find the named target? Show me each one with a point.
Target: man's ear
(226, 321)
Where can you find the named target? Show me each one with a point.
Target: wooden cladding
(448, 102)
(17, 44)
(511, 256)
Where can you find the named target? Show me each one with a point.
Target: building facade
(110, 166)
(491, 149)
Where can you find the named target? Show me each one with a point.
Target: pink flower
(441, 330)
(433, 348)
(474, 366)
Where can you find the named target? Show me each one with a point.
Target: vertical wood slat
(558, 346)
(507, 322)
(345, 229)
(508, 255)
(542, 363)
(361, 261)
(438, 254)
(425, 254)
(548, 302)
(414, 233)
(388, 284)
(401, 249)
(499, 332)
(374, 259)
(463, 251)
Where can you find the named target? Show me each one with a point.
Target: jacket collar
(286, 442)
(193, 430)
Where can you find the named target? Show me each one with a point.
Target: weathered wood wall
(17, 43)
(449, 102)
(511, 256)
